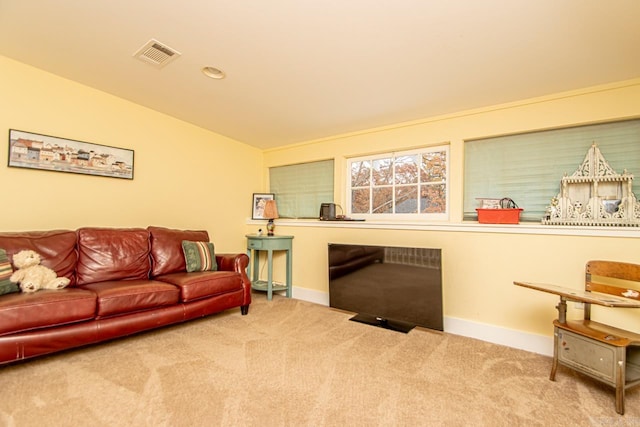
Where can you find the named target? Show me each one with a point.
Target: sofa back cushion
(57, 249)
(166, 248)
(112, 254)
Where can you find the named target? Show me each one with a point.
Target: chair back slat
(625, 283)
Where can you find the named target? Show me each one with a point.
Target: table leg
(270, 274)
(256, 265)
(289, 273)
(562, 310)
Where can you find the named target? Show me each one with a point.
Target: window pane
(433, 167)
(382, 200)
(406, 169)
(433, 198)
(407, 199)
(382, 172)
(360, 173)
(360, 201)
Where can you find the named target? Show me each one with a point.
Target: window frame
(393, 155)
(297, 199)
(558, 151)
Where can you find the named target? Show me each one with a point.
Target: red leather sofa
(123, 281)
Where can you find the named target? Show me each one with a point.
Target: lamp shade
(270, 209)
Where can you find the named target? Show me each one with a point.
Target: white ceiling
(301, 70)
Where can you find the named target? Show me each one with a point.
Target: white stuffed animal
(32, 276)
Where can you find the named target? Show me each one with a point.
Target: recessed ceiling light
(213, 72)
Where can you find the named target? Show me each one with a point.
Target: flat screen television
(397, 288)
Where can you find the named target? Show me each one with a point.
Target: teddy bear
(32, 276)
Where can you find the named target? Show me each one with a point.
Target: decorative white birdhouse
(594, 195)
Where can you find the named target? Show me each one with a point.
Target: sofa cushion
(126, 296)
(57, 249)
(45, 308)
(203, 284)
(106, 254)
(6, 285)
(199, 256)
(166, 248)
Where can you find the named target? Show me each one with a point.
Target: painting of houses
(36, 151)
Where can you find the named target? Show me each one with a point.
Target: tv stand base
(394, 325)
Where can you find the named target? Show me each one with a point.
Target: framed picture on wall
(35, 151)
(259, 200)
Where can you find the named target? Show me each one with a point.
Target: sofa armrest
(237, 263)
(232, 262)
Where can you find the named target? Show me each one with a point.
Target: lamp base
(270, 227)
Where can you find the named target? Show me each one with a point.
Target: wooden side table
(255, 244)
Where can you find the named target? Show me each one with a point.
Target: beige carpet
(293, 363)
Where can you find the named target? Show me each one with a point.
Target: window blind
(300, 189)
(528, 167)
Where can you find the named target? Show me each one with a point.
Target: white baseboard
(310, 295)
(498, 335)
(494, 334)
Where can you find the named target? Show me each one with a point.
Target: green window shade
(528, 167)
(300, 189)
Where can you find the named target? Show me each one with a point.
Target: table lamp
(270, 213)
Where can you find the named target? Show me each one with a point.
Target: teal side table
(255, 244)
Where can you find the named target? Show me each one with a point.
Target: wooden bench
(606, 353)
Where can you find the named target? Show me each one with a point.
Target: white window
(400, 185)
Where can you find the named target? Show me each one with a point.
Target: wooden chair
(606, 353)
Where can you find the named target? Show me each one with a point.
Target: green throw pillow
(6, 286)
(199, 256)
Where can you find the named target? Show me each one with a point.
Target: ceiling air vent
(156, 53)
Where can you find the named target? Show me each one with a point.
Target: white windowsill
(467, 226)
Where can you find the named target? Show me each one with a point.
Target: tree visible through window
(409, 183)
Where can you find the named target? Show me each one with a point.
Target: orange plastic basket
(499, 216)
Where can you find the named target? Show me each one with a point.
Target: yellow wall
(478, 267)
(184, 177)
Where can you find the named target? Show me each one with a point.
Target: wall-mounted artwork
(44, 152)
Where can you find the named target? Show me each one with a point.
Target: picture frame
(51, 153)
(257, 207)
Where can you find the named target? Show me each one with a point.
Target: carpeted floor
(293, 363)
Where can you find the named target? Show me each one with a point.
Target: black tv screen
(391, 287)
